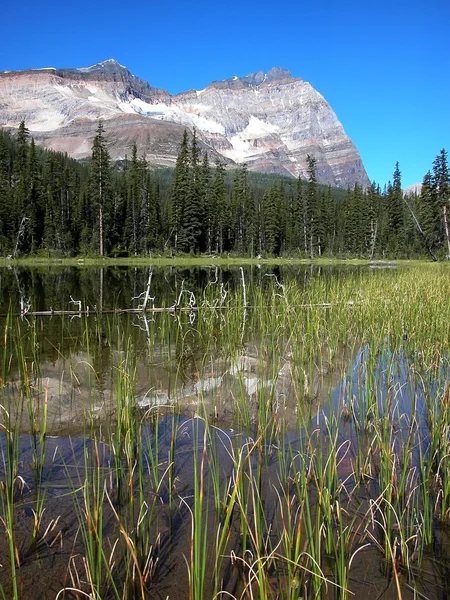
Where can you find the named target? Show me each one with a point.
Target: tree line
(51, 204)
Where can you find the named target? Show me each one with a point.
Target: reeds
(314, 429)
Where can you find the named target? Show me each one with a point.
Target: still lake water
(170, 366)
(186, 386)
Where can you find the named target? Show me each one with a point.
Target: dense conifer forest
(52, 205)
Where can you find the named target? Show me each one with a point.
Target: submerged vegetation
(51, 205)
(280, 438)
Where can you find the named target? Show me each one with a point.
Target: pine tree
(218, 214)
(179, 196)
(303, 217)
(21, 154)
(250, 215)
(429, 213)
(133, 201)
(349, 222)
(371, 221)
(70, 180)
(322, 224)
(194, 204)
(84, 221)
(206, 209)
(292, 220)
(311, 209)
(271, 212)
(34, 201)
(240, 212)
(148, 213)
(100, 184)
(6, 224)
(441, 192)
(396, 218)
(331, 222)
(20, 186)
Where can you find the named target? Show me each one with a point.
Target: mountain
(416, 188)
(270, 121)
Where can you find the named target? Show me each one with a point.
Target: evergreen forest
(53, 205)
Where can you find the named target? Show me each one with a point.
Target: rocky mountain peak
(106, 66)
(254, 80)
(111, 72)
(274, 74)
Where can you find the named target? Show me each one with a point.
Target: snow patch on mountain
(164, 112)
(64, 90)
(241, 149)
(243, 142)
(207, 125)
(258, 128)
(46, 120)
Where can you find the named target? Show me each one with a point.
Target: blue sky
(384, 66)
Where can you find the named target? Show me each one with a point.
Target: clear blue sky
(384, 66)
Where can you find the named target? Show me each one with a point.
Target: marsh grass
(336, 446)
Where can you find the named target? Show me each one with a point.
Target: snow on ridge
(172, 113)
(200, 92)
(144, 108)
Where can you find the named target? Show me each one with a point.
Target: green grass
(341, 449)
(200, 260)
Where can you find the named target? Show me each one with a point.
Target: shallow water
(196, 410)
(75, 356)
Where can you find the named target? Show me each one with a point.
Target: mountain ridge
(270, 121)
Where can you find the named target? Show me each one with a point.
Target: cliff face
(270, 121)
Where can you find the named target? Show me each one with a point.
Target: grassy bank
(188, 260)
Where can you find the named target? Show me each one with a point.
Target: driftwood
(136, 311)
(168, 309)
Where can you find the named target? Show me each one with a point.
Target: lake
(242, 432)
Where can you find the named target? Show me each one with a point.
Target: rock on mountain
(270, 121)
(416, 188)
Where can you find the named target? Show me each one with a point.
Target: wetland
(259, 431)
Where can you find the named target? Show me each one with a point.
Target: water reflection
(148, 405)
(75, 358)
(109, 288)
